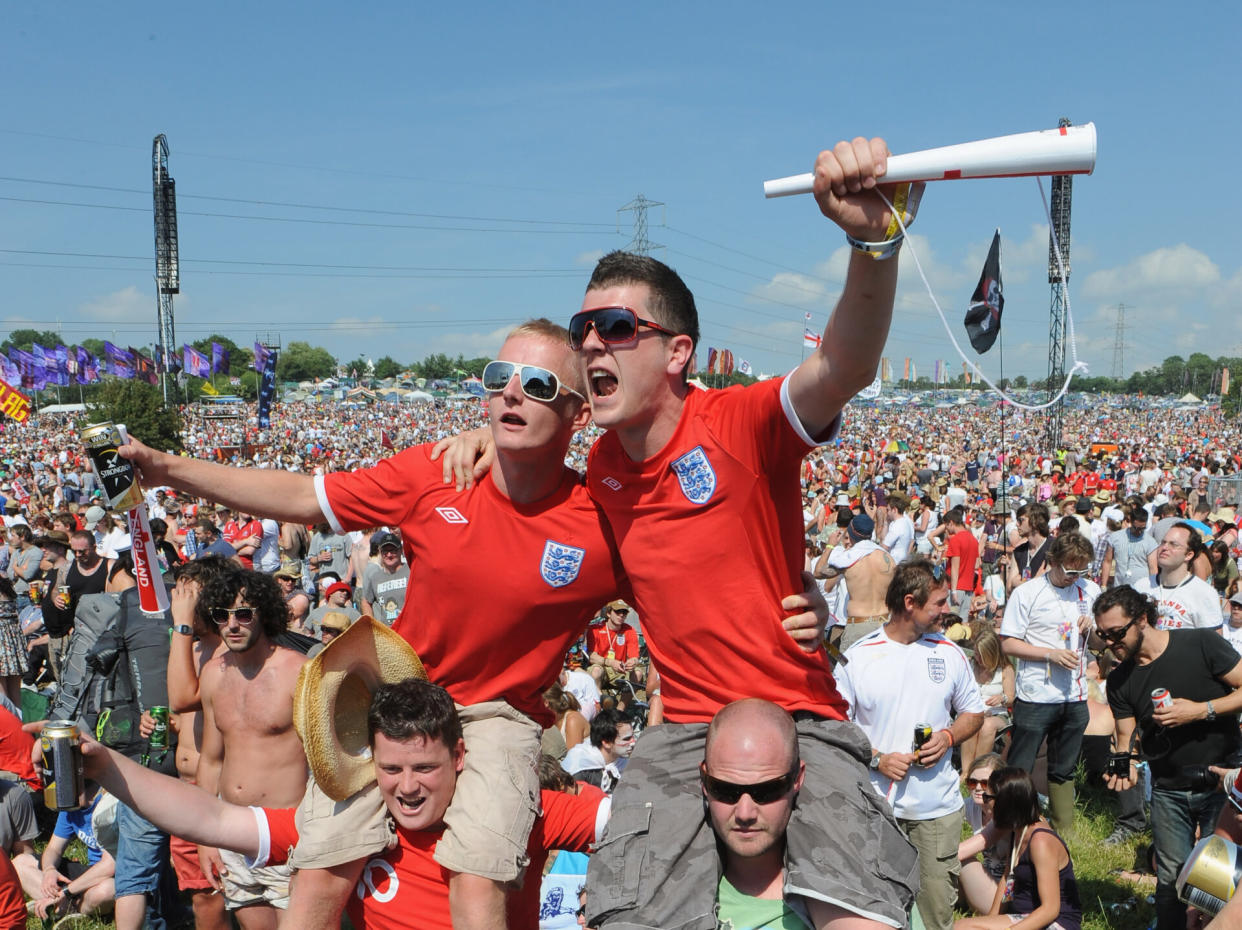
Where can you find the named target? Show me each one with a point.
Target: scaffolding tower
(167, 263)
(1058, 277)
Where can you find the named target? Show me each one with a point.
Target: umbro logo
(451, 515)
(612, 482)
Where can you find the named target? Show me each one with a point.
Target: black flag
(983, 319)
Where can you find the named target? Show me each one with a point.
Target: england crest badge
(936, 669)
(561, 563)
(696, 476)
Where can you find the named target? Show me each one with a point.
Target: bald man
(751, 775)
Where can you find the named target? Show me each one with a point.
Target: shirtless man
(194, 643)
(250, 752)
(866, 569)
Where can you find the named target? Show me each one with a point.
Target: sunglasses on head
(1117, 635)
(537, 383)
(243, 615)
(764, 792)
(613, 325)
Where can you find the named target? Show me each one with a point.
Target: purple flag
(118, 362)
(261, 352)
(196, 362)
(219, 359)
(88, 367)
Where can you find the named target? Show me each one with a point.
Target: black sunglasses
(537, 383)
(243, 615)
(764, 792)
(1117, 635)
(613, 325)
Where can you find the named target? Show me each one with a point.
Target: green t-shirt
(737, 911)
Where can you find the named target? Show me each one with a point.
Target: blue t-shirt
(79, 823)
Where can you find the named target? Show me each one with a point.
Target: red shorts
(190, 875)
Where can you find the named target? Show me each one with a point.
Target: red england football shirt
(498, 591)
(710, 531)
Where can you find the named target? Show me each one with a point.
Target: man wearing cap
(858, 573)
(57, 619)
(1232, 630)
(289, 577)
(612, 645)
(333, 624)
(1183, 599)
(384, 587)
(85, 575)
(337, 599)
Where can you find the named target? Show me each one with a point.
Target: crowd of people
(411, 651)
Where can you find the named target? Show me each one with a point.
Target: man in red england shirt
(418, 753)
(612, 645)
(704, 485)
(494, 646)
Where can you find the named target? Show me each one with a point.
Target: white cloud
(1172, 268)
(588, 259)
(124, 306)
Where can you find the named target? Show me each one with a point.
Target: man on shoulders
(937, 689)
(1184, 600)
(713, 462)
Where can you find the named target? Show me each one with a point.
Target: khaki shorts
(487, 824)
(245, 886)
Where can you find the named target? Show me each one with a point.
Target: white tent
(1189, 398)
(417, 397)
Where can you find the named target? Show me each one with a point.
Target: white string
(1077, 366)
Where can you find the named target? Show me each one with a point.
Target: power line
(313, 206)
(293, 219)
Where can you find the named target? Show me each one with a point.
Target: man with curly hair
(250, 752)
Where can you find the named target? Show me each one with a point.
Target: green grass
(1093, 863)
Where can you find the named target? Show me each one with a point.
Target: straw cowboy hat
(333, 697)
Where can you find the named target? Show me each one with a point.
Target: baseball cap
(389, 539)
(1236, 599)
(335, 621)
(618, 605)
(1113, 513)
(861, 527)
(337, 586)
(93, 516)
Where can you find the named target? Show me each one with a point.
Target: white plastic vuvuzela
(1067, 150)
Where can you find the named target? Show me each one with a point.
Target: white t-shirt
(582, 686)
(1044, 615)
(1234, 635)
(1191, 604)
(267, 558)
(890, 688)
(899, 538)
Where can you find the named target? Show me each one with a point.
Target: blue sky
(476, 156)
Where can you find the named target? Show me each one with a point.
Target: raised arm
(846, 179)
(176, 807)
(272, 493)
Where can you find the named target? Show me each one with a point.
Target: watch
(1211, 711)
(875, 760)
(183, 629)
